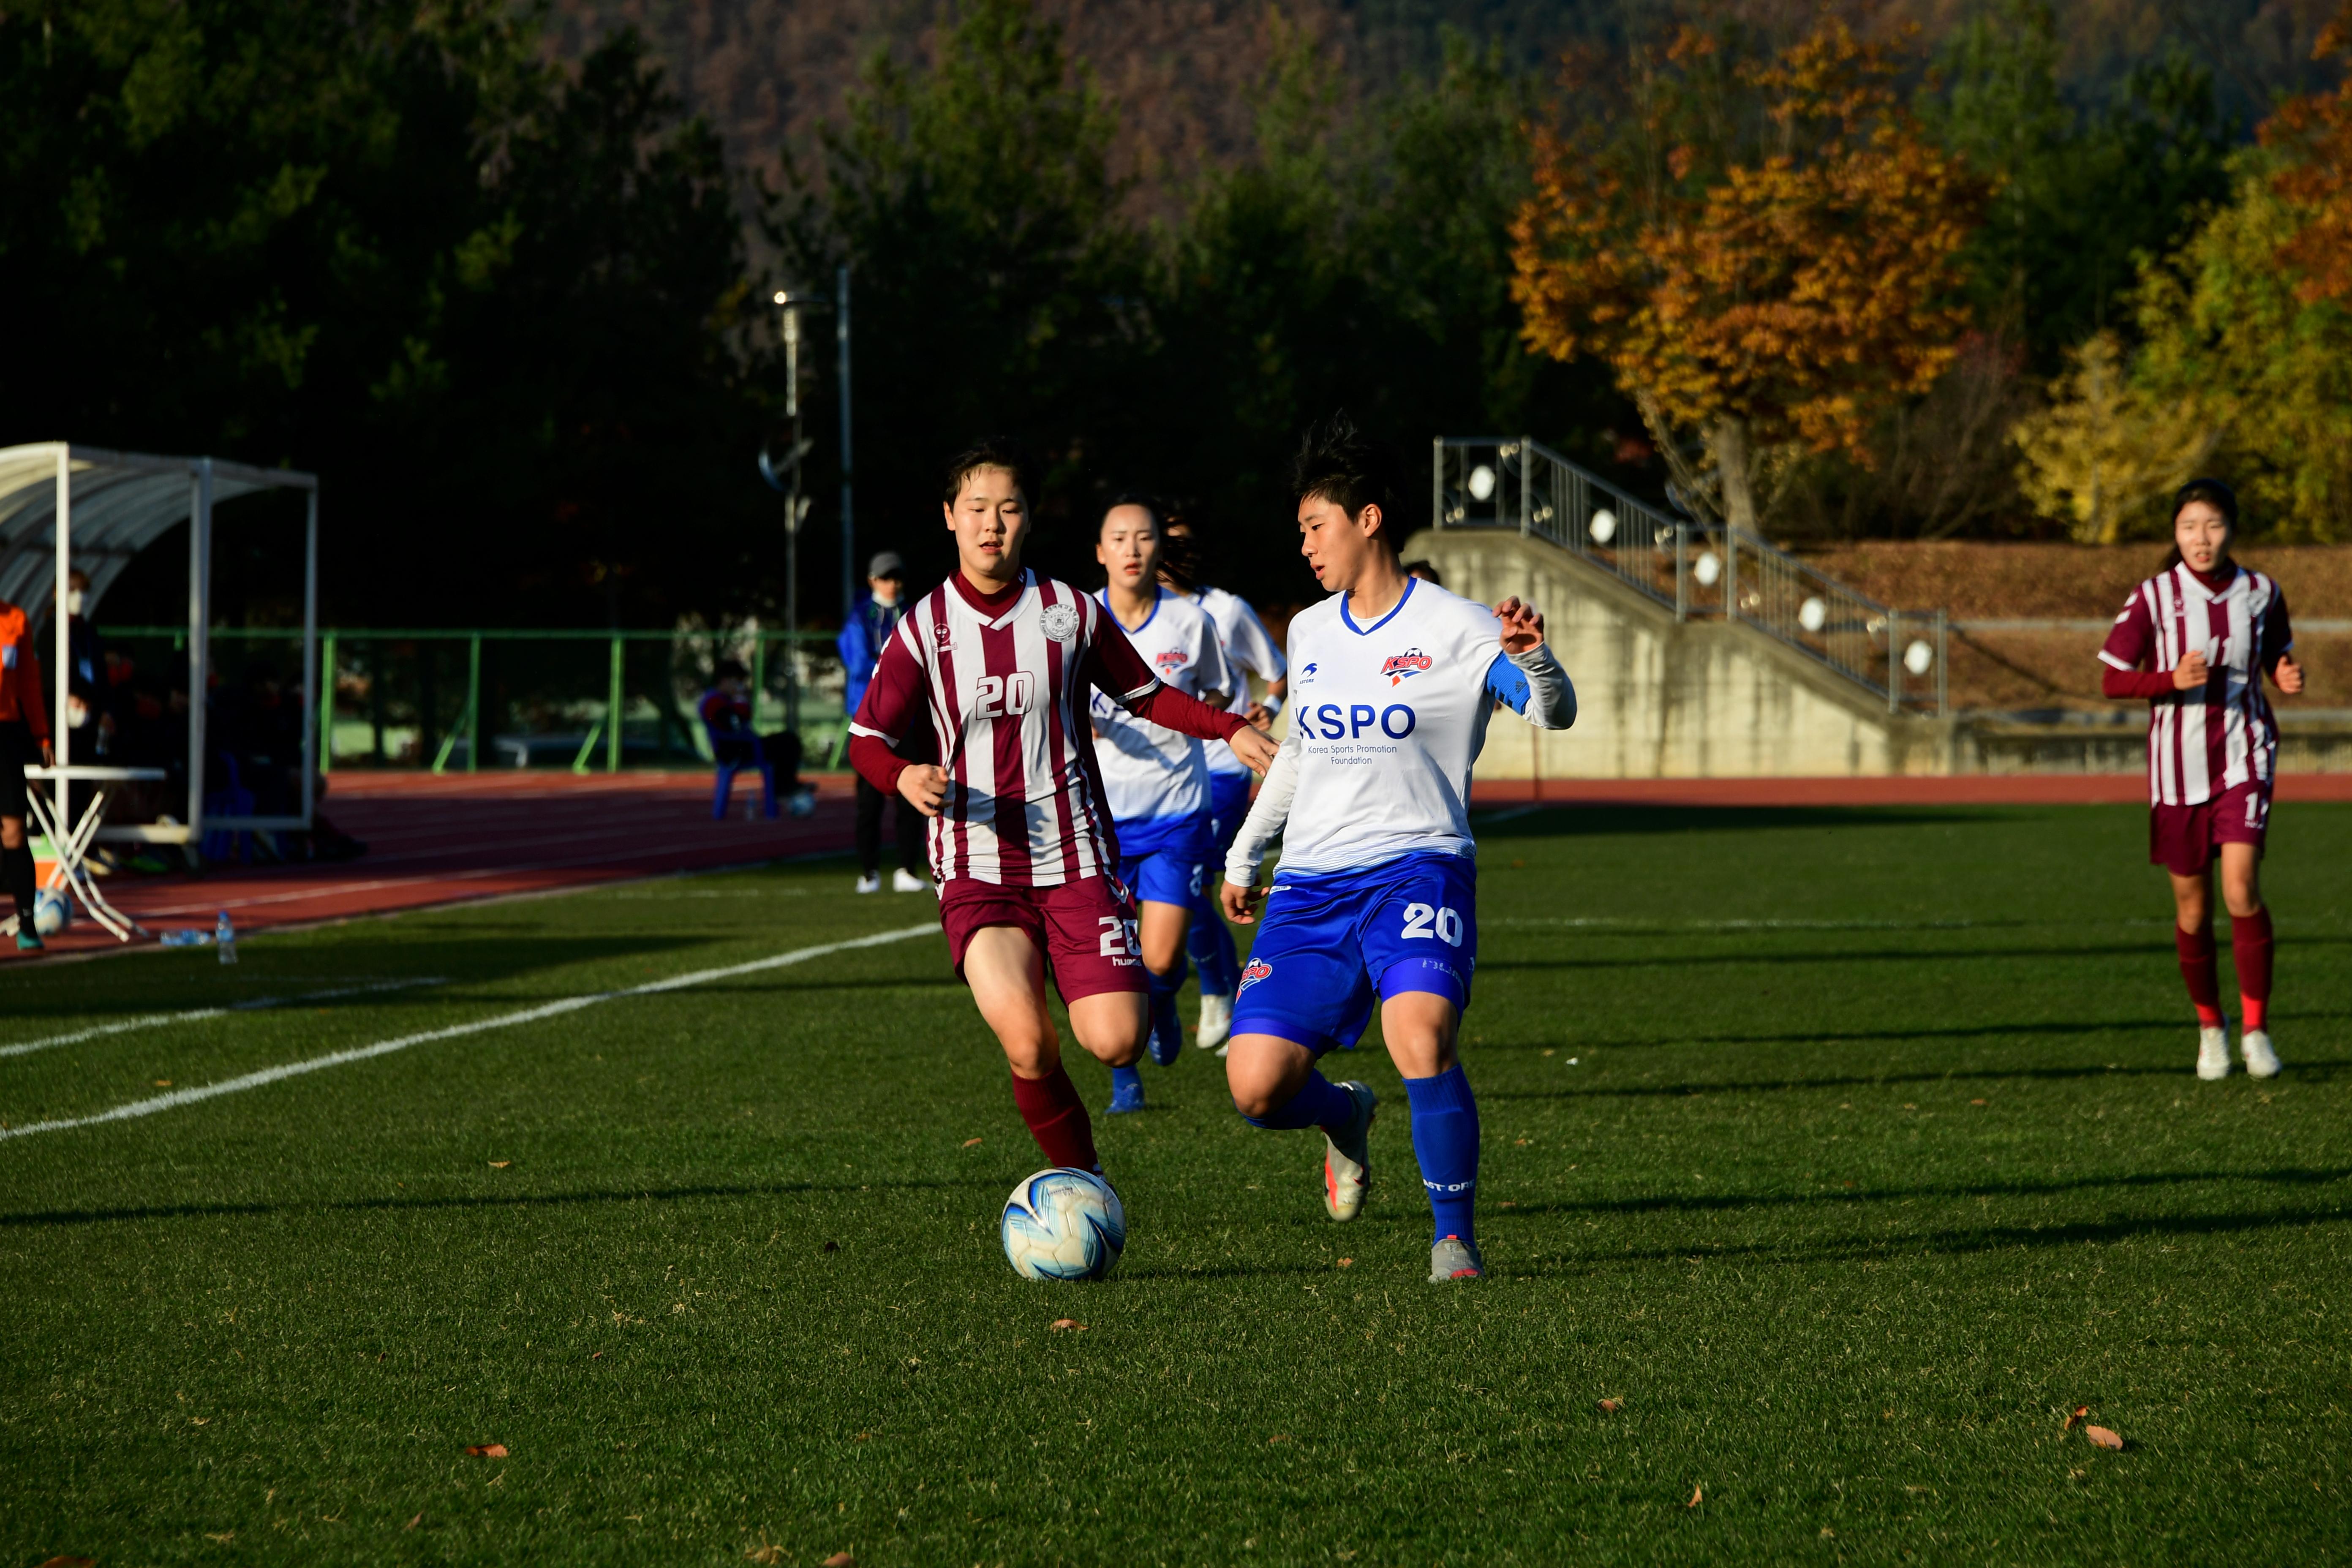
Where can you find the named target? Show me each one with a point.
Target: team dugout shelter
(64, 507)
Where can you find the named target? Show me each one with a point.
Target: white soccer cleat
(2213, 1051)
(905, 881)
(1216, 1022)
(1347, 1158)
(2261, 1060)
(870, 883)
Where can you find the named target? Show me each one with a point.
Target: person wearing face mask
(24, 741)
(861, 643)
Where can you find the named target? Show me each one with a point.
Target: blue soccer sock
(1446, 1142)
(1123, 1079)
(1210, 943)
(1320, 1102)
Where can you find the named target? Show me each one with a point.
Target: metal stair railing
(1700, 571)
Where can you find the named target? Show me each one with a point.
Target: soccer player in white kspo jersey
(1248, 647)
(1002, 662)
(2209, 630)
(1391, 683)
(1156, 780)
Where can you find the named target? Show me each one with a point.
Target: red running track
(460, 836)
(464, 837)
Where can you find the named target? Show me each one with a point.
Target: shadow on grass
(1946, 1243)
(1602, 819)
(473, 960)
(1683, 1088)
(1733, 1202)
(476, 1201)
(1679, 959)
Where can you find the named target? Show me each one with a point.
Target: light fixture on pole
(785, 474)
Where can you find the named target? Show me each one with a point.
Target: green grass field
(1849, 1150)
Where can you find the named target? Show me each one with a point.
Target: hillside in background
(1182, 73)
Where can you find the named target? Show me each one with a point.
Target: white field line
(267, 1076)
(154, 1020)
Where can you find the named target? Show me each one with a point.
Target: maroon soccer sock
(2196, 967)
(1058, 1119)
(2249, 945)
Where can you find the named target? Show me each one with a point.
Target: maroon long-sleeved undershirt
(2135, 682)
(1163, 705)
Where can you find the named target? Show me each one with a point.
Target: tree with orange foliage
(1764, 254)
(2314, 132)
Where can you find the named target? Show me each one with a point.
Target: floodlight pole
(796, 505)
(848, 531)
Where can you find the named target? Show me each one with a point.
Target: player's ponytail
(2217, 495)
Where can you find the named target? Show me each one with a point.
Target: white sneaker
(872, 883)
(1216, 1022)
(2213, 1051)
(2261, 1060)
(905, 881)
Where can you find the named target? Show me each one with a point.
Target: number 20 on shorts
(1420, 918)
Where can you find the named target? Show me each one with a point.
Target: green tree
(2080, 195)
(380, 240)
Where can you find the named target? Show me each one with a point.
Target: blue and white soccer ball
(1062, 1223)
(52, 911)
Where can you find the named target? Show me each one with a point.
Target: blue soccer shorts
(1328, 946)
(1164, 859)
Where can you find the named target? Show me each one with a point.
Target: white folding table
(70, 844)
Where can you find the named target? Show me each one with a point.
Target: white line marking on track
(258, 1003)
(267, 1076)
(1618, 923)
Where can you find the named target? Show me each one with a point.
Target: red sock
(1058, 1119)
(2249, 944)
(2196, 967)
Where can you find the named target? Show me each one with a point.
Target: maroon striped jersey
(1007, 687)
(2200, 743)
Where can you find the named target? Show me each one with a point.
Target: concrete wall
(1658, 700)
(1701, 700)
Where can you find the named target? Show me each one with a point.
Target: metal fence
(1697, 570)
(465, 700)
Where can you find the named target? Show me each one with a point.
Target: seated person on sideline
(726, 712)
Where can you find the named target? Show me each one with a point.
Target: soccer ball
(52, 911)
(1062, 1223)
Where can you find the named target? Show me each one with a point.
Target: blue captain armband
(1507, 683)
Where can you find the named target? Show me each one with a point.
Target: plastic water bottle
(225, 938)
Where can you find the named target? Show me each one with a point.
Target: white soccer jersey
(1387, 718)
(1248, 646)
(1149, 772)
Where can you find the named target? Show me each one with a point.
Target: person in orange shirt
(23, 740)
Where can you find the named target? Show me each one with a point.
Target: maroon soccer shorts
(1084, 929)
(2185, 839)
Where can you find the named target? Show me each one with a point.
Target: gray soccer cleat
(1348, 1157)
(2213, 1051)
(2261, 1061)
(1454, 1258)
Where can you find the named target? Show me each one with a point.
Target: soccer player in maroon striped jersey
(1022, 843)
(2207, 630)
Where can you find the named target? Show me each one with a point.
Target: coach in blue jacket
(862, 637)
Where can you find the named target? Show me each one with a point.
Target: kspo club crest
(1259, 969)
(1171, 661)
(1406, 665)
(1059, 622)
